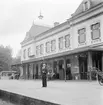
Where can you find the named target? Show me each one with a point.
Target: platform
(60, 92)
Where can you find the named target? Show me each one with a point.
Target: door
(97, 62)
(83, 66)
(61, 70)
(36, 76)
(68, 70)
(55, 70)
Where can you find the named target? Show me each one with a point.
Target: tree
(17, 59)
(16, 62)
(5, 57)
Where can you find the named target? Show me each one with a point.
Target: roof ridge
(42, 25)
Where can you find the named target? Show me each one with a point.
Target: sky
(17, 16)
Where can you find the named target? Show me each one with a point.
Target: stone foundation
(22, 100)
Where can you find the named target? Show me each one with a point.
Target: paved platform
(61, 92)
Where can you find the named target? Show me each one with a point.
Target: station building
(69, 49)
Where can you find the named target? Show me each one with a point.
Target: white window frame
(24, 53)
(61, 43)
(29, 51)
(95, 28)
(67, 42)
(47, 47)
(82, 33)
(37, 50)
(41, 49)
(86, 5)
(53, 45)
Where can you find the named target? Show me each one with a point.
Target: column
(65, 68)
(26, 70)
(58, 66)
(102, 62)
(31, 70)
(39, 70)
(89, 63)
(34, 70)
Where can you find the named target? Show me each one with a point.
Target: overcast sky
(17, 16)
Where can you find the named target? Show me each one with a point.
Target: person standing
(44, 76)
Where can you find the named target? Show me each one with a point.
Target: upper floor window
(47, 47)
(86, 5)
(53, 45)
(41, 49)
(24, 54)
(61, 43)
(95, 34)
(67, 41)
(29, 51)
(37, 50)
(82, 35)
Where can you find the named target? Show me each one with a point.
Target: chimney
(56, 24)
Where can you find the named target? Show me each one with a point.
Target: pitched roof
(37, 29)
(34, 31)
(93, 3)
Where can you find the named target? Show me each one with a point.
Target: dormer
(86, 5)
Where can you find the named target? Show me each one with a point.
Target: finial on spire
(40, 16)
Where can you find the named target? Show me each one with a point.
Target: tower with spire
(40, 16)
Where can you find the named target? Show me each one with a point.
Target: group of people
(45, 73)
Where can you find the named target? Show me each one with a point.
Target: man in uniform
(44, 76)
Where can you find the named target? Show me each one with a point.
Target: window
(82, 35)
(47, 47)
(86, 5)
(61, 43)
(37, 50)
(95, 34)
(29, 51)
(67, 41)
(53, 45)
(41, 49)
(24, 54)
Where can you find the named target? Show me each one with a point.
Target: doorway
(83, 66)
(33, 71)
(28, 71)
(61, 70)
(68, 70)
(97, 62)
(55, 70)
(36, 75)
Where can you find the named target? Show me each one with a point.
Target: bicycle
(99, 75)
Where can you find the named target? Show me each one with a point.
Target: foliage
(17, 59)
(5, 57)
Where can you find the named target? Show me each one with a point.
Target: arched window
(86, 5)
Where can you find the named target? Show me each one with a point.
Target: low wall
(18, 99)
